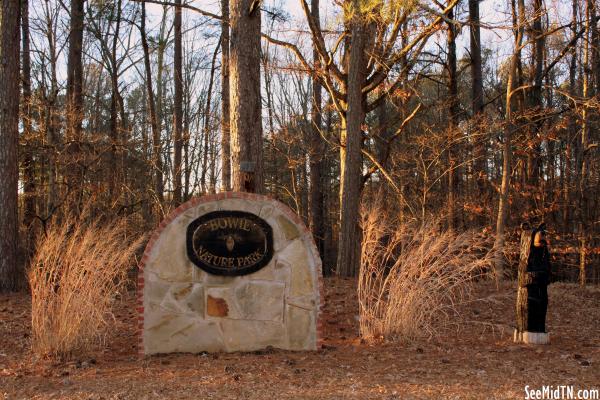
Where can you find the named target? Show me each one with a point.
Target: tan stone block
(195, 300)
(279, 240)
(265, 273)
(155, 289)
(301, 329)
(289, 228)
(266, 211)
(168, 258)
(182, 221)
(261, 300)
(155, 316)
(244, 335)
(282, 271)
(302, 280)
(198, 275)
(175, 298)
(210, 279)
(281, 264)
(202, 209)
(253, 207)
(275, 270)
(181, 291)
(183, 334)
(307, 302)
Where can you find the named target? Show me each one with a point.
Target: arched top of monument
(265, 207)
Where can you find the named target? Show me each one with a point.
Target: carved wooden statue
(532, 292)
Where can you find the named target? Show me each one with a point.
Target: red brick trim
(306, 235)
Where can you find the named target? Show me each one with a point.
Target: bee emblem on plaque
(230, 243)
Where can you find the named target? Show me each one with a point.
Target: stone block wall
(182, 308)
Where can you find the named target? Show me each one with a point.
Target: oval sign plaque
(230, 243)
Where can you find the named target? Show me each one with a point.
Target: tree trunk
(477, 99)
(475, 48)
(503, 205)
(52, 119)
(187, 160)
(225, 134)
(154, 121)
(245, 113)
(572, 127)
(160, 108)
(348, 262)
(533, 154)
(268, 77)
(29, 187)
(453, 126)
(317, 208)
(74, 109)
(10, 272)
(178, 105)
(303, 184)
(595, 42)
(522, 303)
(588, 93)
(116, 131)
(207, 112)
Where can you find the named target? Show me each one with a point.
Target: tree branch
(186, 6)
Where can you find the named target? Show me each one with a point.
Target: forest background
(478, 115)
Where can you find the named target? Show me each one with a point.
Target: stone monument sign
(229, 272)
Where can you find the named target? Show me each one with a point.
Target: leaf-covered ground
(476, 360)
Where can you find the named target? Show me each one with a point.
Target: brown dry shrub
(78, 270)
(412, 279)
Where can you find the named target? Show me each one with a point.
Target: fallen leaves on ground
(474, 359)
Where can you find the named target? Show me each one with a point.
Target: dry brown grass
(412, 279)
(78, 270)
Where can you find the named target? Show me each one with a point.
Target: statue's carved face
(539, 240)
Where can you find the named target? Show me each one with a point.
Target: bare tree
(10, 272)
(29, 186)
(178, 105)
(157, 165)
(351, 142)
(50, 120)
(477, 97)
(317, 207)
(206, 130)
(74, 110)
(225, 105)
(376, 34)
(588, 93)
(511, 89)
(475, 53)
(453, 106)
(245, 113)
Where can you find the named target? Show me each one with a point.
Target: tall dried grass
(78, 270)
(413, 278)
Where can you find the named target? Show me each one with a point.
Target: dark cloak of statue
(533, 280)
(538, 271)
